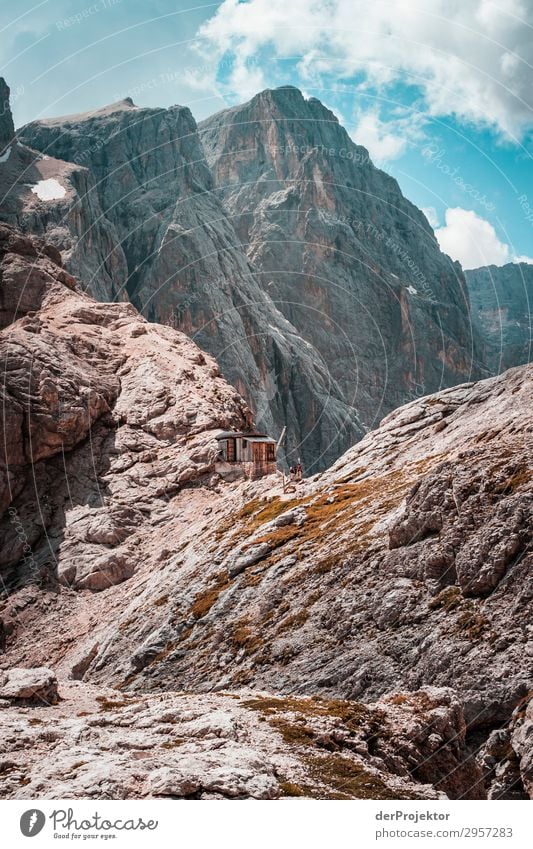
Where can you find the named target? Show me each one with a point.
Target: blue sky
(441, 92)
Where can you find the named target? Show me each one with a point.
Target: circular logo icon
(32, 822)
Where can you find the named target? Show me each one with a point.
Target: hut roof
(253, 437)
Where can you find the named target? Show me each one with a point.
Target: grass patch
(243, 636)
(205, 600)
(289, 789)
(344, 778)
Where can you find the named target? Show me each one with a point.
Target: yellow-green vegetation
(288, 788)
(206, 599)
(332, 775)
(257, 512)
(243, 636)
(343, 778)
(279, 536)
(471, 622)
(518, 479)
(353, 714)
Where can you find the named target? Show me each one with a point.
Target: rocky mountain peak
(7, 129)
(281, 130)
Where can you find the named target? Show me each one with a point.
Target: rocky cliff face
(47, 197)
(502, 304)
(186, 267)
(350, 262)
(102, 412)
(418, 539)
(7, 129)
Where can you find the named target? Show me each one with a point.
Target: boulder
(30, 686)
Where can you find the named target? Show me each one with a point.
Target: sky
(439, 91)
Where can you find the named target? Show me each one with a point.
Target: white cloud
(527, 259)
(382, 144)
(472, 59)
(471, 239)
(246, 79)
(431, 214)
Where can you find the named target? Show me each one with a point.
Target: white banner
(302, 824)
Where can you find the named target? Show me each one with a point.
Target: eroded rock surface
(103, 743)
(344, 255)
(405, 566)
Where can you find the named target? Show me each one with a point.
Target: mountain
(502, 303)
(347, 259)
(356, 615)
(45, 196)
(186, 267)
(287, 255)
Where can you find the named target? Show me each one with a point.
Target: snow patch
(49, 189)
(6, 154)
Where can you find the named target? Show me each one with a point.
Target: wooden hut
(254, 452)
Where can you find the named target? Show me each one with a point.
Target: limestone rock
(346, 258)
(102, 743)
(30, 686)
(101, 424)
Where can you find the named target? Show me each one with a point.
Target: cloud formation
(473, 240)
(473, 60)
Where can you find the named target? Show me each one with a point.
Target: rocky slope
(106, 417)
(107, 474)
(502, 304)
(349, 261)
(419, 539)
(186, 267)
(406, 565)
(99, 743)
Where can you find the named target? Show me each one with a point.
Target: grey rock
(252, 556)
(7, 129)
(501, 299)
